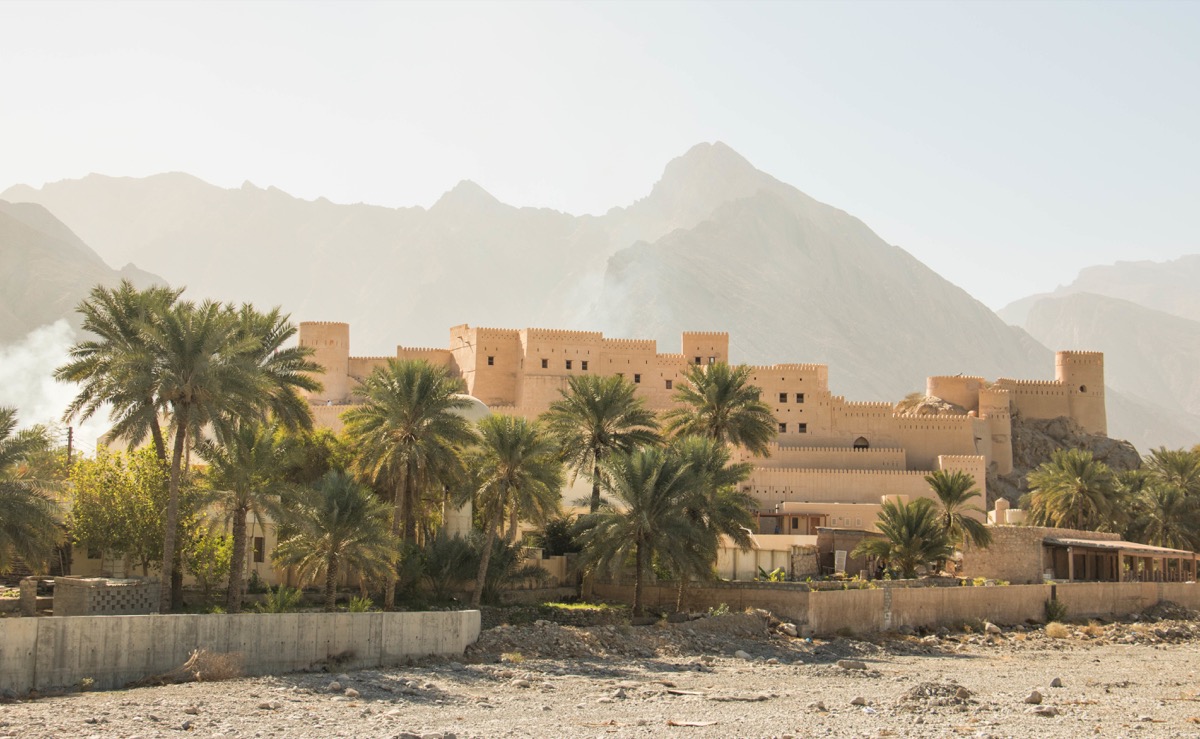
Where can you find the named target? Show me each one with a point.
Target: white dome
(475, 411)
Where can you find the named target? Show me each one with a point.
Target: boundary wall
(57, 653)
(880, 609)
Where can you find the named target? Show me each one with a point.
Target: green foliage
(1165, 497)
(721, 609)
(28, 514)
(597, 417)
(913, 537)
(560, 535)
(448, 563)
(312, 454)
(776, 575)
(954, 491)
(360, 604)
(504, 567)
(281, 600)
(255, 584)
(1054, 610)
(1075, 491)
(208, 557)
(717, 402)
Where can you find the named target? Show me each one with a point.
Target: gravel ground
(687, 680)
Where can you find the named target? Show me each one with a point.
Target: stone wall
(1016, 553)
(101, 596)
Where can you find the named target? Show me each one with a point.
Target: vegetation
(954, 491)
(518, 470)
(717, 402)
(1075, 491)
(208, 558)
(913, 537)
(28, 514)
(280, 600)
(596, 418)
(1055, 610)
(337, 526)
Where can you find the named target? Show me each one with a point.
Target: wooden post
(1070, 564)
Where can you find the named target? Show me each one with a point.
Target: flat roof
(1115, 545)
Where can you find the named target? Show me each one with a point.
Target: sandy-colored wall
(1016, 552)
(57, 653)
(831, 458)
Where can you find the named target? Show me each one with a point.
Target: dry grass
(1057, 630)
(202, 667)
(1093, 629)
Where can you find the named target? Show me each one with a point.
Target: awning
(1116, 545)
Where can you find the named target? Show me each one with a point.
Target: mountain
(715, 245)
(46, 270)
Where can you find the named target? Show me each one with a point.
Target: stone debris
(1035, 697)
(1056, 682)
(851, 664)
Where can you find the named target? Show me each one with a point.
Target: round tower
(959, 390)
(330, 342)
(994, 407)
(1083, 375)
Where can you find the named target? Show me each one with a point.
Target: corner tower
(330, 342)
(1082, 373)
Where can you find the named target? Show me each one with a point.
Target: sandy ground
(683, 680)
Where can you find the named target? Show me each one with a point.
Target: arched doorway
(862, 443)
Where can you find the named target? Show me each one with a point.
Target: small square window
(260, 545)
(802, 428)
(783, 428)
(583, 364)
(568, 364)
(712, 360)
(669, 384)
(637, 378)
(491, 361)
(697, 360)
(545, 363)
(799, 397)
(783, 397)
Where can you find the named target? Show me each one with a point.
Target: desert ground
(735, 675)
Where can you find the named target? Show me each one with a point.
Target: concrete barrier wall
(53, 653)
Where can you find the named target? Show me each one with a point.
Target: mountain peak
(705, 159)
(466, 195)
(695, 184)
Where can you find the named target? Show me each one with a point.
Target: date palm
(1165, 516)
(245, 477)
(595, 418)
(518, 471)
(717, 401)
(714, 503)
(1074, 490)
(1179, 468)
(28, 515)
(954, 491)
(648, 489)
(282, 370)
(408, 434)
(913, 537)
(335, 527)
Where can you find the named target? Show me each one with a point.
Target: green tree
(595, 418)
(245, 477)
(337, 526)
(1178, 468)
(118, 503)
(208, 557)
(408, 434)
(1074, 490)
(648, 489)
(717, 401)
(1165, 516)
(954, 491)
(519, 471)
(913, 537)
(28, 514)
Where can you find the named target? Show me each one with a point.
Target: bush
(361, 605)
(1055, 610)
(255, 584)
(281, 600)
(1057, 630)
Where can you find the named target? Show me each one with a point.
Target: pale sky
(1005, 145)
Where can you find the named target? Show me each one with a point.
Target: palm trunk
(169, 533)
(331, 568)
(640, 565)
(485, 559)
(409, 510)
(595, 504)
(237, 563)
(156, 435)
(514, 523)
(389, 593)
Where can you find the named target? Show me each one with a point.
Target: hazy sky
(1005, 145)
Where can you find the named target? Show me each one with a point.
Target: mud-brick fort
(834, 462)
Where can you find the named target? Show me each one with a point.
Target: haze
(1004, 145)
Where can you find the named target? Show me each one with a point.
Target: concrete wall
(51, 653)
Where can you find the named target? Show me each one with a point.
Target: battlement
(374, 359)
(1031, 384)
(847, 473)
(639, 344)
(550, 334)
(1078, 356)
(980, 380)
(421, 349)
(790, 366)
(485, 332)
(778, 447)
(710, 334)
(672, 357)
(960, 458)
(325, 323)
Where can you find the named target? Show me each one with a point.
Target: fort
(834, 462)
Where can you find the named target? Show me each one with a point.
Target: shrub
(720, 610)
(255, 584)
(1055, 610)
(281, 600)
(361, 605)
(1057, 630)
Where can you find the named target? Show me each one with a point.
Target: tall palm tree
(408, 434)
(648, 489)
(518, 470)
(336, 526)
(282, 370)
(1179, 468)
(954, 491)
(597, 417)
(913, 537)
(246, 478)
(1074, 490)
(28, 515)
(718, 401)
(1166, 516)
(115, 366)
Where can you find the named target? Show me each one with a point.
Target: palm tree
(648, 488)
(519, 471)
(954, 490)
(1166, 516)
(282, 370)
(913, 537)
(598, 417)
(336, 526)
(408, 434)
(1073, 490)
(115, 367)
(717, 401)
(1179, 468)
(28, 516)
(714, 504)
(246, 477)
